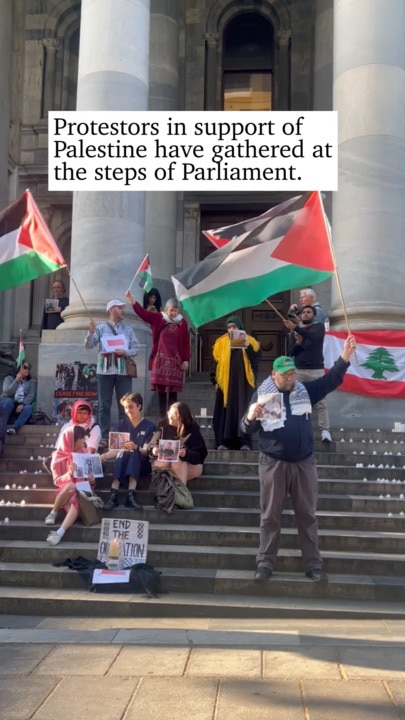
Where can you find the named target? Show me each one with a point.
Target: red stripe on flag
(373, 388)
(383, 338)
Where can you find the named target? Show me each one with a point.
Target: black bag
(143, 579)
(132, 370)
(39, 418)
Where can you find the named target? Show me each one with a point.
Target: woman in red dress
(170, 353)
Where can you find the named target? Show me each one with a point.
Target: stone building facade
(205, 55)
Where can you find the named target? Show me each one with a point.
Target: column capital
(212, 39)
(47, 212)
(51, 45)
(191, 211)
(283, 37)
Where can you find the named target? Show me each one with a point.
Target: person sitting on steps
(133, 462)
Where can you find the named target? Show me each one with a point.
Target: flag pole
(79, 293)
(336, 271)
(275, 310)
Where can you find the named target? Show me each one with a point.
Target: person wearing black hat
(115, 341)
(286, 461)
(233, 372)
(305, 345)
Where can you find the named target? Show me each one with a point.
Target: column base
(351, 411)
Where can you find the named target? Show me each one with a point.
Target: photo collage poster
(74, 381)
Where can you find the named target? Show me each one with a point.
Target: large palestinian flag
(380, 367)
(27, 248)
(286, 247)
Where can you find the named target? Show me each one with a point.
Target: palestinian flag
(380, 367)
(286, 247)
(144, 274)
(27, 248)
(21, 352)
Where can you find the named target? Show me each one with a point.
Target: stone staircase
(207, 555)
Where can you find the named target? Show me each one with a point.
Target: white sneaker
(53, 538)
(51, 518)
(326, 436)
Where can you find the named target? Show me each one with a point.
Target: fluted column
(369, 208)
(6, 24)
(161, 207)
(51, 46)
(108, 227)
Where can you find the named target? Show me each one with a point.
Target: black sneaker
(131, 502)
(112, 501)
(263, 574)
(317, 575)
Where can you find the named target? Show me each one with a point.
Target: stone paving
(205, 669)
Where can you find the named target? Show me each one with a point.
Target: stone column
(323, 100)
(284, 70)
(6, 34)
(161, 207)
(211, 71)
(48, 90)
(108, 228)
(368, 209)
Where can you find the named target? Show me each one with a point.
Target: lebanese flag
(380, 367)
(27, 248)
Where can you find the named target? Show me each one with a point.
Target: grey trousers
(321, 408)
(278, 479)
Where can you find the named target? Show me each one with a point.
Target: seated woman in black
(193, 451)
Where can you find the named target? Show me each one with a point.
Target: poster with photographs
(169, 450)
(87, 464)
(117, 440)
(74, 381)
(273, 411)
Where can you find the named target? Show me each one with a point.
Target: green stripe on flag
(205, 307)
(24, 268)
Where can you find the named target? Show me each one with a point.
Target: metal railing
(195, 364)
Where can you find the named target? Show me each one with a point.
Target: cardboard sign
(133, 535)
(110, 343)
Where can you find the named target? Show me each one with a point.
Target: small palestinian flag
(27, 248)
(144, 275)
(21, 351)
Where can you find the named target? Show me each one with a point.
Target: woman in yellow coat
(233, 372)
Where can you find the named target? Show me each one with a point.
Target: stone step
(241, 517)
(17, 487)
(81, 603)
(208, 557)
(219, 536)
(46, 582)
(227, 499)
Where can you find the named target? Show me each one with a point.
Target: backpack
(182, 495)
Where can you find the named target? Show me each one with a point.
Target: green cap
(283, 364)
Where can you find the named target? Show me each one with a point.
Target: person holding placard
(233, 372)
(170, 353)
(133, 462)
(65, 476)
(180, 426)
(115, 341)
(51, 317)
